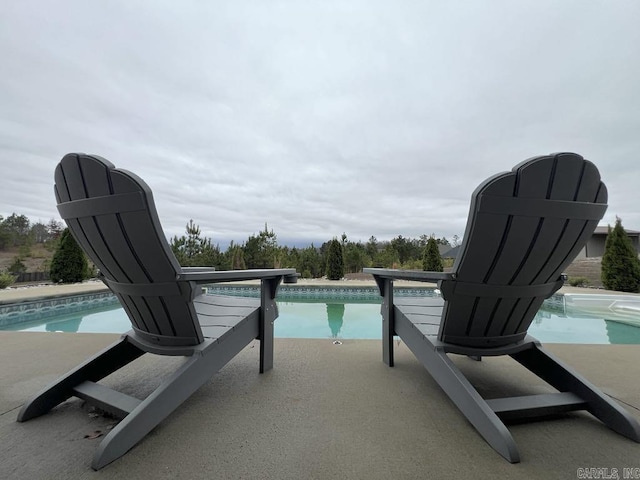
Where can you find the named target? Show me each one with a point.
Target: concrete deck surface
(325, 411)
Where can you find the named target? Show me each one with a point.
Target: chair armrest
(210, 276)
(291, 278)
(415, 275)
(384, 275)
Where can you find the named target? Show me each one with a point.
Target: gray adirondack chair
(524, 228)
(111, 213)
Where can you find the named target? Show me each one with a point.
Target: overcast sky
(318, 117)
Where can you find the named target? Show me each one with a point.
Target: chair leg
(99, 366)
(174, 390)
(388, 327)
(459, 390)
(268, 315)
(563, 378)
(470, 403)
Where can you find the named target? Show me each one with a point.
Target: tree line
(333, 258)
(18, 231)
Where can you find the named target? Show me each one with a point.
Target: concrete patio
(325, 411)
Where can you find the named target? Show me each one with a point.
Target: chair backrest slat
(128, 246)
(548, 208)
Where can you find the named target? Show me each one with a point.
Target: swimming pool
(349, 313)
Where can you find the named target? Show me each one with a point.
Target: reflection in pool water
(557, 322)
(335, 317)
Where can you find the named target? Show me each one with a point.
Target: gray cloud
(364, 117)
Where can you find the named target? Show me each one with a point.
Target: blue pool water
(347, 314)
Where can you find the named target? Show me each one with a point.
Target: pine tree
(261, 250)
(432, 261)
(335, 260)
(310, 263)
(237, 257)
(68, 265)
(194, 251)
(620, 264)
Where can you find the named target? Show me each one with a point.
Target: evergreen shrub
(432, 261)
(17, 266)
(335, 261)
(68, 265)
(620, 263)
(6, 279)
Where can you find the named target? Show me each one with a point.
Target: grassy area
(36, 258)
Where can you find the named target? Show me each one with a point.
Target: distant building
(451, 252)
(593, 248)
(595, 245)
